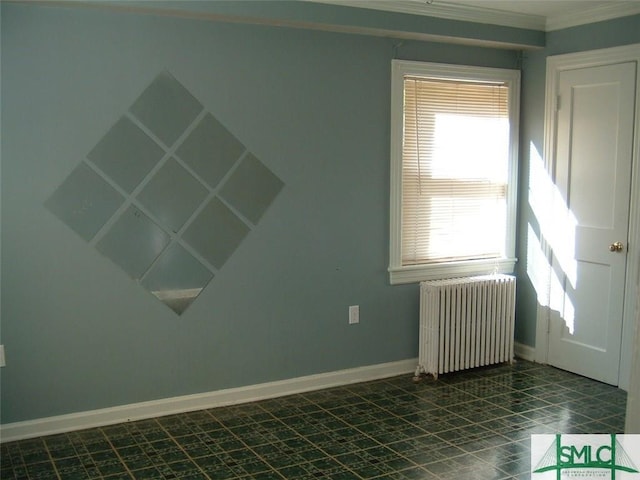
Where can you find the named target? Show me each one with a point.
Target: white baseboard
(524, 352)
(186, 403)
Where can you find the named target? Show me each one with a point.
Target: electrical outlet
(354, 314)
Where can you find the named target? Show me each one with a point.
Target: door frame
(555, 65)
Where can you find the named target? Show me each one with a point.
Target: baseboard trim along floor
(139, 411)
(524, 352)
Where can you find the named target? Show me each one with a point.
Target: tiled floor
(470, 425)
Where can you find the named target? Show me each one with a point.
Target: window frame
(399, 273)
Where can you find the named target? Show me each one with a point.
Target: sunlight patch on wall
(557, 226)
(557, 222)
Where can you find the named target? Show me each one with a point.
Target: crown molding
(468, 13)
(450, 11)
(600, 13)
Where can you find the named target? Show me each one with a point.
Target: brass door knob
(616, 247)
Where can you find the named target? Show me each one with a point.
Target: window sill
(418, 273)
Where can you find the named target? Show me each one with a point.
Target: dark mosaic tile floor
(469, 425)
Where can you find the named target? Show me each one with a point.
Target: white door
(594, 148)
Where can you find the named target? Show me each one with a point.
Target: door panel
(593, 173)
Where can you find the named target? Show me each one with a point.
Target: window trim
(415, 273)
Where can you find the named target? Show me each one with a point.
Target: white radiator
(465, 323)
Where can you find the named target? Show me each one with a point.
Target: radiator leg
(420, 373)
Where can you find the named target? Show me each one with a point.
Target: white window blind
(455, 170)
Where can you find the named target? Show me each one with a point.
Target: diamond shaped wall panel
(177, 278)
(216, 233)
(126, 154)
(84, 201)
(172, 195)
(133, 242)
(251, 188)
(166, 108)
(176, 231)
(210, 150)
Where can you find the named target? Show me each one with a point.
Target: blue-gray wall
(612, 33)
(313, 106)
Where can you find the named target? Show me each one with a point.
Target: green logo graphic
(604, 456)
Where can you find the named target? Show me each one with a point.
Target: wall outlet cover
(354, 314)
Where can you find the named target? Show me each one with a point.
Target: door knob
(616, 247)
